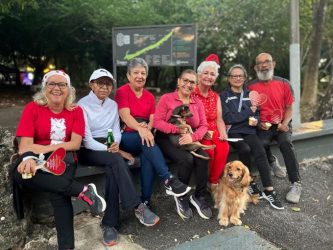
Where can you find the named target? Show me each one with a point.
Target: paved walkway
(88, 236)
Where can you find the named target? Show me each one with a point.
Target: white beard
(265, 75)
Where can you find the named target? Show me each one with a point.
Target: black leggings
(119, 183)
(252, 146)
(185, 163)
(61, 189)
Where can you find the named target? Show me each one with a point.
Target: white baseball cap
(55, 73)
(100, 73)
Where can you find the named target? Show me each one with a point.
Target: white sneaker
(277, 169)
(294, 193)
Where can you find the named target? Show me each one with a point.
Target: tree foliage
(77, 35)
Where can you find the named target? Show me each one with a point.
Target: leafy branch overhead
(77, 35)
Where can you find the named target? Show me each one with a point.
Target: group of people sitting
(141, 129)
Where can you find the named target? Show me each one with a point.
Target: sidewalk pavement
(88, 237)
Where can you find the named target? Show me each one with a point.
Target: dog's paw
(254, 199)
(224, 222)
(235, 221)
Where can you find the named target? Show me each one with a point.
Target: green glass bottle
(110, 138)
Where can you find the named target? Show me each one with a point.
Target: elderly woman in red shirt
(216, 134)
(184, 161)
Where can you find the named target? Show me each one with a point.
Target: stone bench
(311, 140)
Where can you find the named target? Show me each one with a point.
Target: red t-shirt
(140, 107)
(210, 105)
(278, 93)
(48, 128)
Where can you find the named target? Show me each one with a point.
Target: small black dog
(178, 118)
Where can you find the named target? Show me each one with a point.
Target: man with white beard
(275, 118)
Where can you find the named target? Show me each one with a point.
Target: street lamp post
(294, 60)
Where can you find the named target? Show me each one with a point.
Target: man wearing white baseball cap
(101, 114)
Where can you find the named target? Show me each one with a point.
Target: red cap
(214, 58)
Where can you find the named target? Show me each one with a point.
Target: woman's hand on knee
(146, 137)
(27, 166)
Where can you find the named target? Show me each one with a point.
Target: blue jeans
(152, 161)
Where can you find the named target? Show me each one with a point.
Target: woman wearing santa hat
(216, 134)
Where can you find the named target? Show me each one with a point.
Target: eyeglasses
(52, 85)
(186, 81)
(264, 62)
(102, 85)
(237, 77)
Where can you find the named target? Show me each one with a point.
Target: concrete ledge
(313, 129)
(311, 140)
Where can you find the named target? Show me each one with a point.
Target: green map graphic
(150, 47)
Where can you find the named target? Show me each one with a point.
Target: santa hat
(214, 58)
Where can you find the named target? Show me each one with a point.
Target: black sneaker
(254, 190)
(272, 198)
(183, 207)
(96, 203)
(110, 235)
(202, 207)
(175, 187)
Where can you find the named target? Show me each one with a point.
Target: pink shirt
(164, 109)
(140, 107)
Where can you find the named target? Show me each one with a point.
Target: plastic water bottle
(110, 138)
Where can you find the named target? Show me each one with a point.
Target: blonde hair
(40, 98)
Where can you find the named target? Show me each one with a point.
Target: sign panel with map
(164, 45)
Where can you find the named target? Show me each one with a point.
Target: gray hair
(206, 64)
(40, 97)
(238, 66)
(137, 61)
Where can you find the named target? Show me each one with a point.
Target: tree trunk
(325, 110)
(310, 82)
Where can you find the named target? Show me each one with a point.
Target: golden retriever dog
(231, 195)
